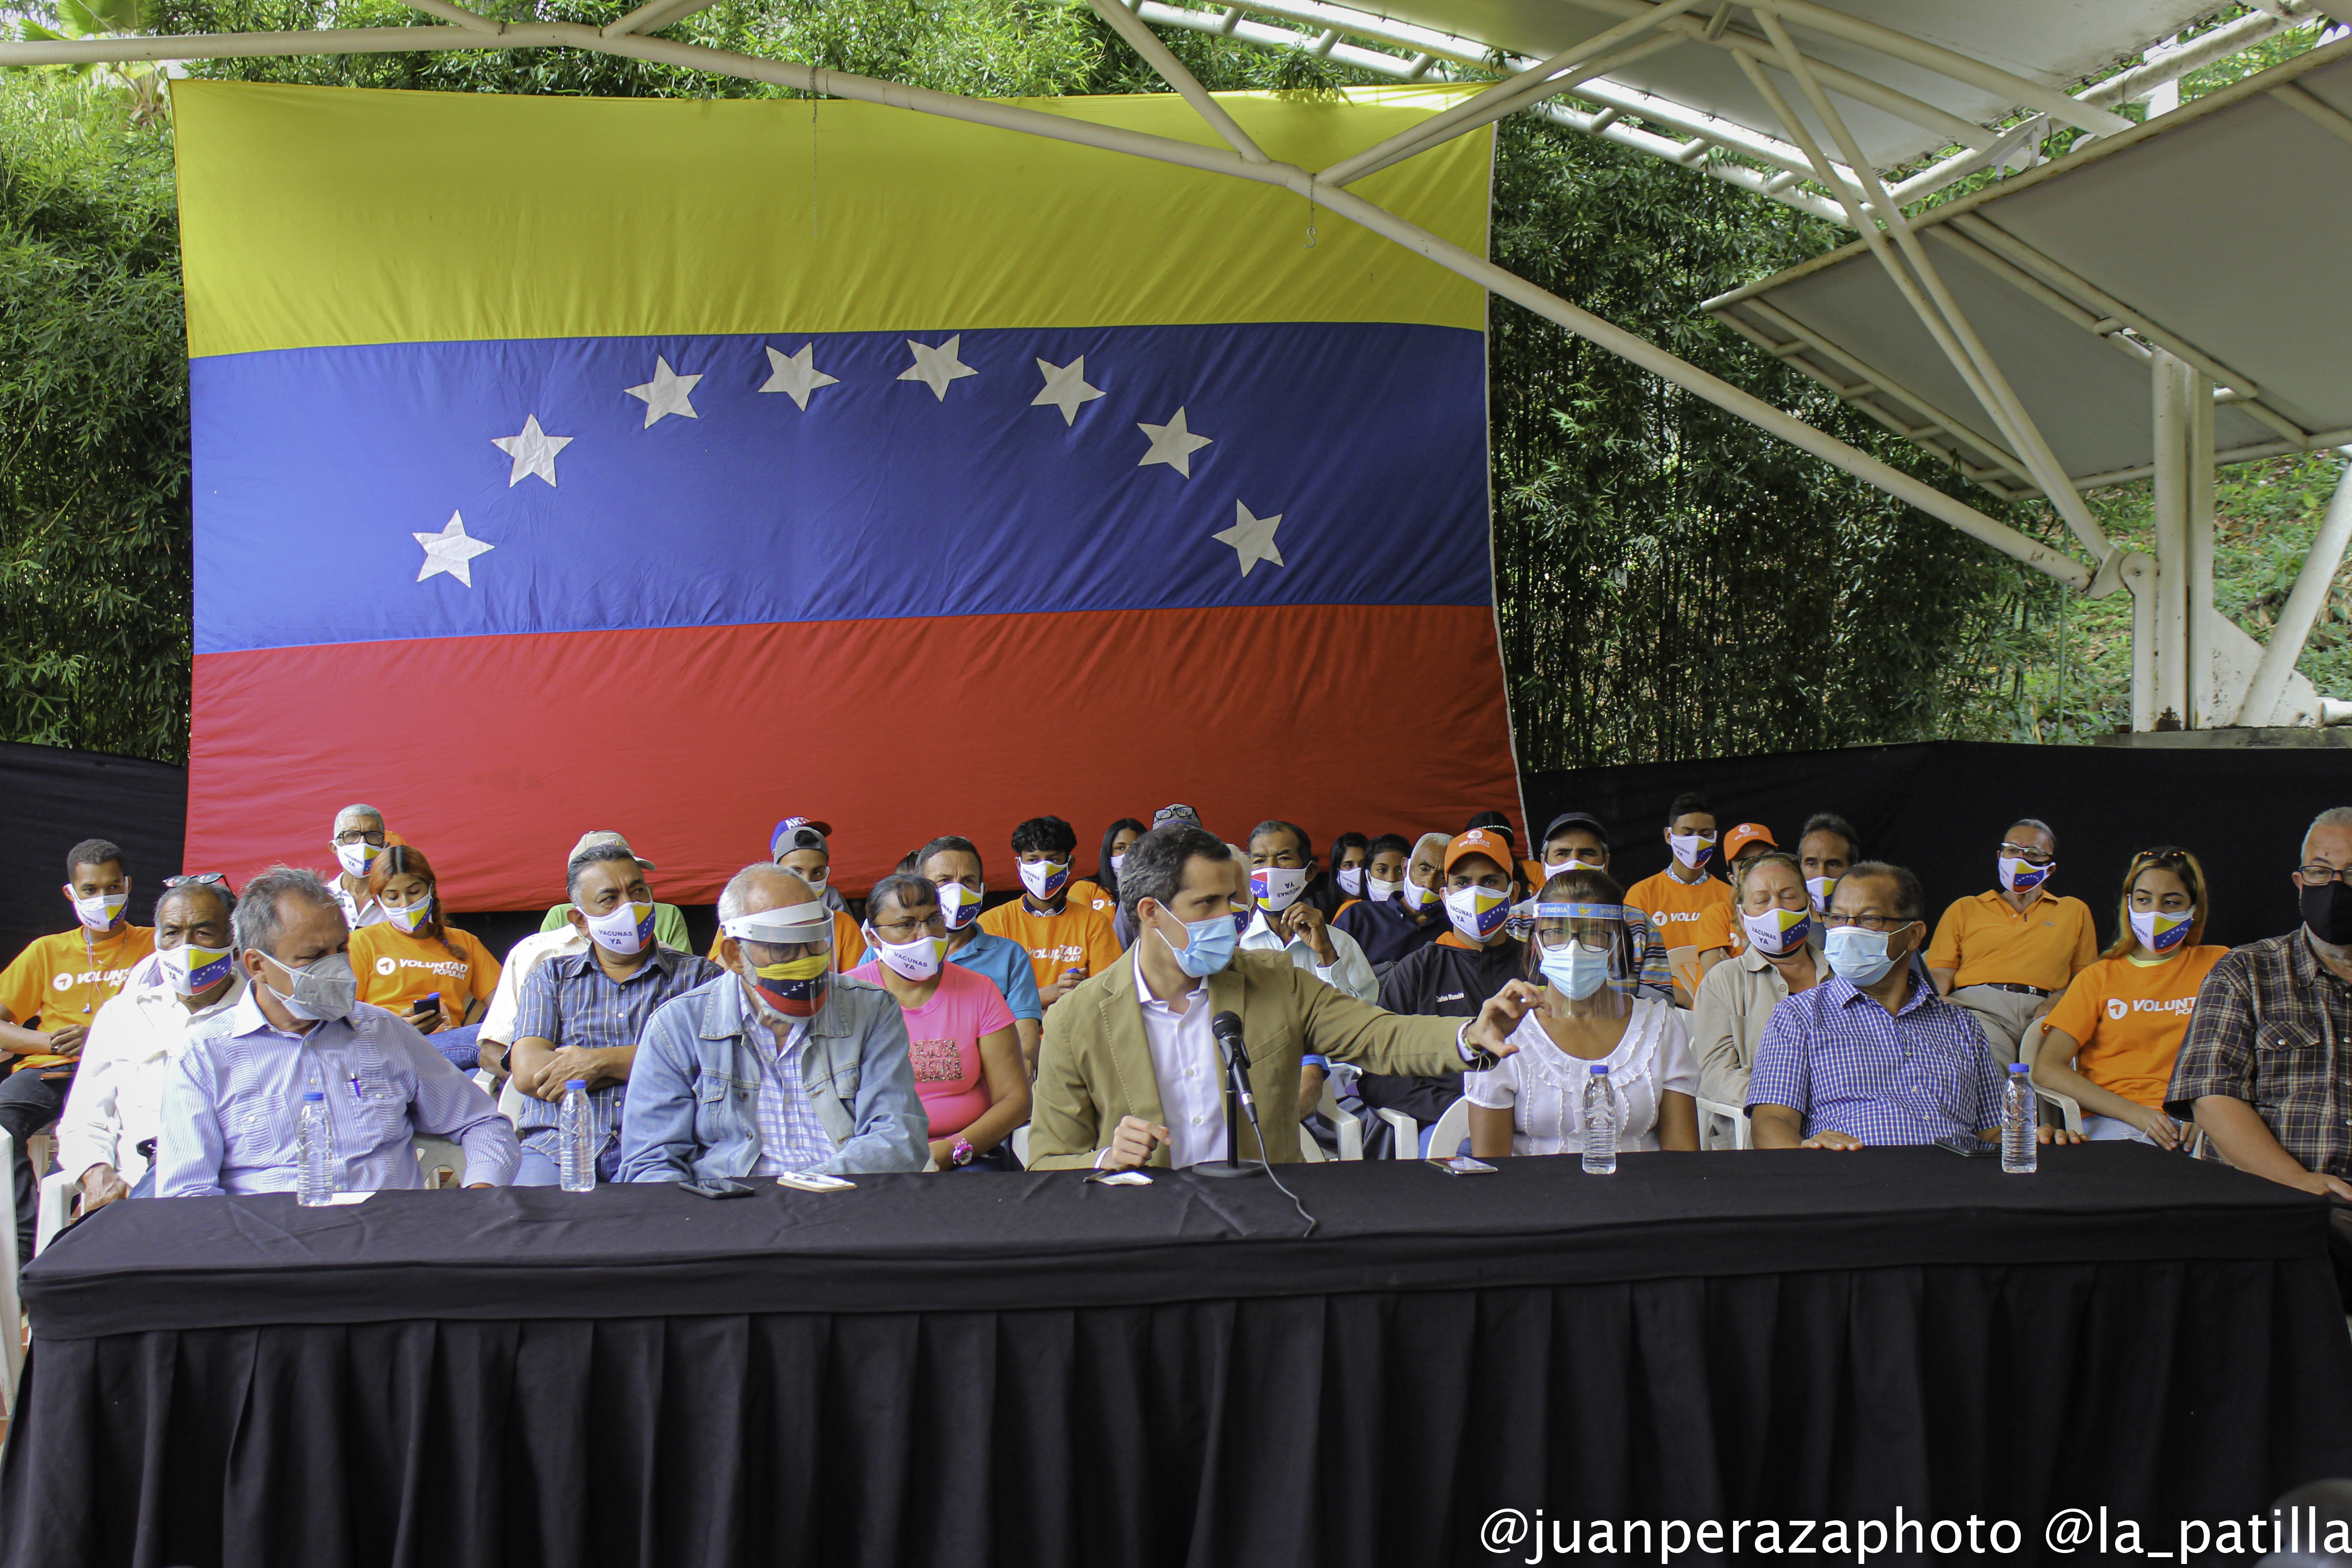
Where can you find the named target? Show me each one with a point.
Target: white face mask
(1351, 880)
(1276, 888)
(1692, 849)
(1416, 897)
(2161, 934)
(917, 959)
(1477, 913)
(817, 879)
(1044, 879)
(958, 904)
(1382, 891)
(357, 858)
(1117, 863)
(1820, 887)
(1777, 931)
(190, 969)
(100, 912)
(625, 930)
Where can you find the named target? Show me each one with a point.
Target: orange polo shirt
(1987, 942)
(1675, 909)
(62, 979)
(1719, 926)
(1079, 938)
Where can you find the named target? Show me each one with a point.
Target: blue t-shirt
(1007, 964)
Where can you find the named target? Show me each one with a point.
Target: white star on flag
(796, 373)
(1172, 444)
(1065, 388)
(533, 451)
(1251, 537)
(666, 393)
(451, 550)
(935, 367)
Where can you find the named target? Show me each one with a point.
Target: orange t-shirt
(397, 970)
(1719, 926)
(1675, 909)
(2129, 1019)
(1089, 893)
(848, 944)
(1079, 938)
(62, 979)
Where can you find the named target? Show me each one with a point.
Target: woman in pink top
(960, 1034)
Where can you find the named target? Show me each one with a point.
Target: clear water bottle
(2020, 1146)
(314, 1144)
(575, 1131)
(1600, 1123)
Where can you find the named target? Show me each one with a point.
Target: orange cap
(1481, 841)
(1747, 833)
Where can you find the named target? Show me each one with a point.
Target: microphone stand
(1238, 1102)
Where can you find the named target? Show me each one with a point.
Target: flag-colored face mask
(1820, 887)
(1044, 879)
(959, 905)
(1276, 888)
(1477, 913)
(415, 915)
(1777, 931)
(100, 912)
(2161, 934)
(795, 987)
(2019, 876)
(1692, 849)
(192, 969)
(356, 858)
(624, 930)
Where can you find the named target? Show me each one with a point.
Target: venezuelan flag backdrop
(674, 467)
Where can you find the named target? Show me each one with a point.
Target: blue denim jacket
(693, 1087)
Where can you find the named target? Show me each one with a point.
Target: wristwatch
(963, 1154)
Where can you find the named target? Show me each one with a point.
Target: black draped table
(1035, 1370)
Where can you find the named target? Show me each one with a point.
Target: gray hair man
(358, 839)
(812, 1066)
(231, 1102)
(2266, 1065)
(1387, 929)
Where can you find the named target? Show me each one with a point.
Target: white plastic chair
(11, 1310)
(56, 1211)
(1722, 1126)
(1021, 1144)
(1310, 1152)
(1451, 1128)
(441, 1163)
(1407, 1142)
(1351, 1132)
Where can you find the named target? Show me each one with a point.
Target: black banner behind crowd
(1940, 807)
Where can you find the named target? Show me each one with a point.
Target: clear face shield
(1586, 957)
(787, 958)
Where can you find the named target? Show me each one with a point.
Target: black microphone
(1227, 1027)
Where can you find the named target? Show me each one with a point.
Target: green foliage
(1672, 582)
(94, 539)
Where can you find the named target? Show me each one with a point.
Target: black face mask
(2328, 911)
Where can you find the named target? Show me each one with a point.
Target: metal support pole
(2201, 630)
(2304, 604)
(2170, 379)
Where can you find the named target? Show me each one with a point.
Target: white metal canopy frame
(1884, 82)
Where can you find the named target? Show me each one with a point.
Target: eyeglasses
(214, 877)
(1881, 923)
(905, 931)
(2316, 874)
(355, 837)
(2031, 857)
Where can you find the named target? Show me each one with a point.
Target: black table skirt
(1341, 1426)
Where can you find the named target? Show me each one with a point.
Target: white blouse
(1543, 1086)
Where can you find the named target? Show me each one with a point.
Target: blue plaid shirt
(790, 1136)
(1848, 1065)
(569, 1000)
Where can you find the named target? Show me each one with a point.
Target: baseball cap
(1568, 819)
(1168, 814)
(788, 833)
(601, 837)
(1747, 833)
(1481, 841)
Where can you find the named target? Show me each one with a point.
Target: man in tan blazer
(1129, 1073)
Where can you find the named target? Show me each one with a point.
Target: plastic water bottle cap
(573, 1083)
(312, 1094)
(1600, 1068)
(2017, 1067)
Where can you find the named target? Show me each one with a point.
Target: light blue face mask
(1574, 970)
(1857, 955)
(1208, 946)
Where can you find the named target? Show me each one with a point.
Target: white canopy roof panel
(2217, 233)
